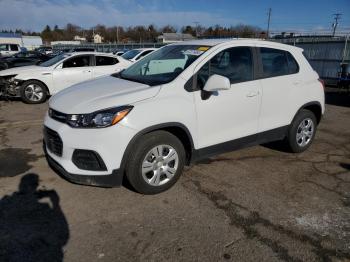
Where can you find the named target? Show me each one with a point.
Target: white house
(98, 39)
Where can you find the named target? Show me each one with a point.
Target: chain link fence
(325, 54)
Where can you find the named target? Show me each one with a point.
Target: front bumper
(9, 89)
(109, 143)
(112, 180)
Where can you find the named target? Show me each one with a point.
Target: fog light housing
(88, 160)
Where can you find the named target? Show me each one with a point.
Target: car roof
(145, 49)
(88, 53)
(215, 42)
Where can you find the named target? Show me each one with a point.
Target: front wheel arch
(25, 84)
(175, 128)
(45, 85)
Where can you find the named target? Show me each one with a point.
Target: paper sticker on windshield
(203, 48)
(193, 52)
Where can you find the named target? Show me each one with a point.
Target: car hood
(24, 69)
(100, 93)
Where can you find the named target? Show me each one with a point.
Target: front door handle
(252, 94)
(87, 71)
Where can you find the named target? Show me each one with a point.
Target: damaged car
(33, 84)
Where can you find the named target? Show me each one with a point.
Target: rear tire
(155, 162)
(33, 92)
(302, 131)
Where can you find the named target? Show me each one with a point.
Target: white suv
(185, 102)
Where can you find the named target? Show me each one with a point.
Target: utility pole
(335, 24)
(196, 23)
(268, 24)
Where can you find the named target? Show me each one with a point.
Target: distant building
(65, 42)
(174, 37)
(27, 41)
(98, 39)
(11, 38)
(79, 38)
(31, 42)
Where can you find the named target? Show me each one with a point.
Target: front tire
(33, 92)
(302, 131)
(155, 163)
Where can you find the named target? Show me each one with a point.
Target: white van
(9, 49)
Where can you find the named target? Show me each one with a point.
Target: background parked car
(9, 49)
(34, 83)
(119, 52)
(23, 59)
(45, 50)
(137, 54)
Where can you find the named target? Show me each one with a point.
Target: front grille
(53, 141)
(58, 116)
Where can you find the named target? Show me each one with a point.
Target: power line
(335, 24)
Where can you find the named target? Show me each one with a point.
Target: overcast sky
(291, 14)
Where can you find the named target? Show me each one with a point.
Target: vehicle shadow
(337, 97)
(32, 224)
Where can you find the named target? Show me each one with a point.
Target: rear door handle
(87, 71)
(252, 94)
(297, 82)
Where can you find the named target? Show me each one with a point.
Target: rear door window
(277, 62)
(274, 62)
(105, 61)
(14, 47)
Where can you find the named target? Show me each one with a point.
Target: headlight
(9, 78)
(98, 119)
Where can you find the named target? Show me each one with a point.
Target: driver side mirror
(217, 83)
(60, 66)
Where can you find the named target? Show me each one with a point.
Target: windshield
(54, 60)
(3, 47)
(163, 65)
(131, 54)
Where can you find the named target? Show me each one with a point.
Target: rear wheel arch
(177, 129)
(315, 107)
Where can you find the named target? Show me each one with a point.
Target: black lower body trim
(113, 180)
(252, 140)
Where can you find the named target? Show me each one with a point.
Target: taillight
(322, 82)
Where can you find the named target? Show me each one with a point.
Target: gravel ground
(256, 204)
